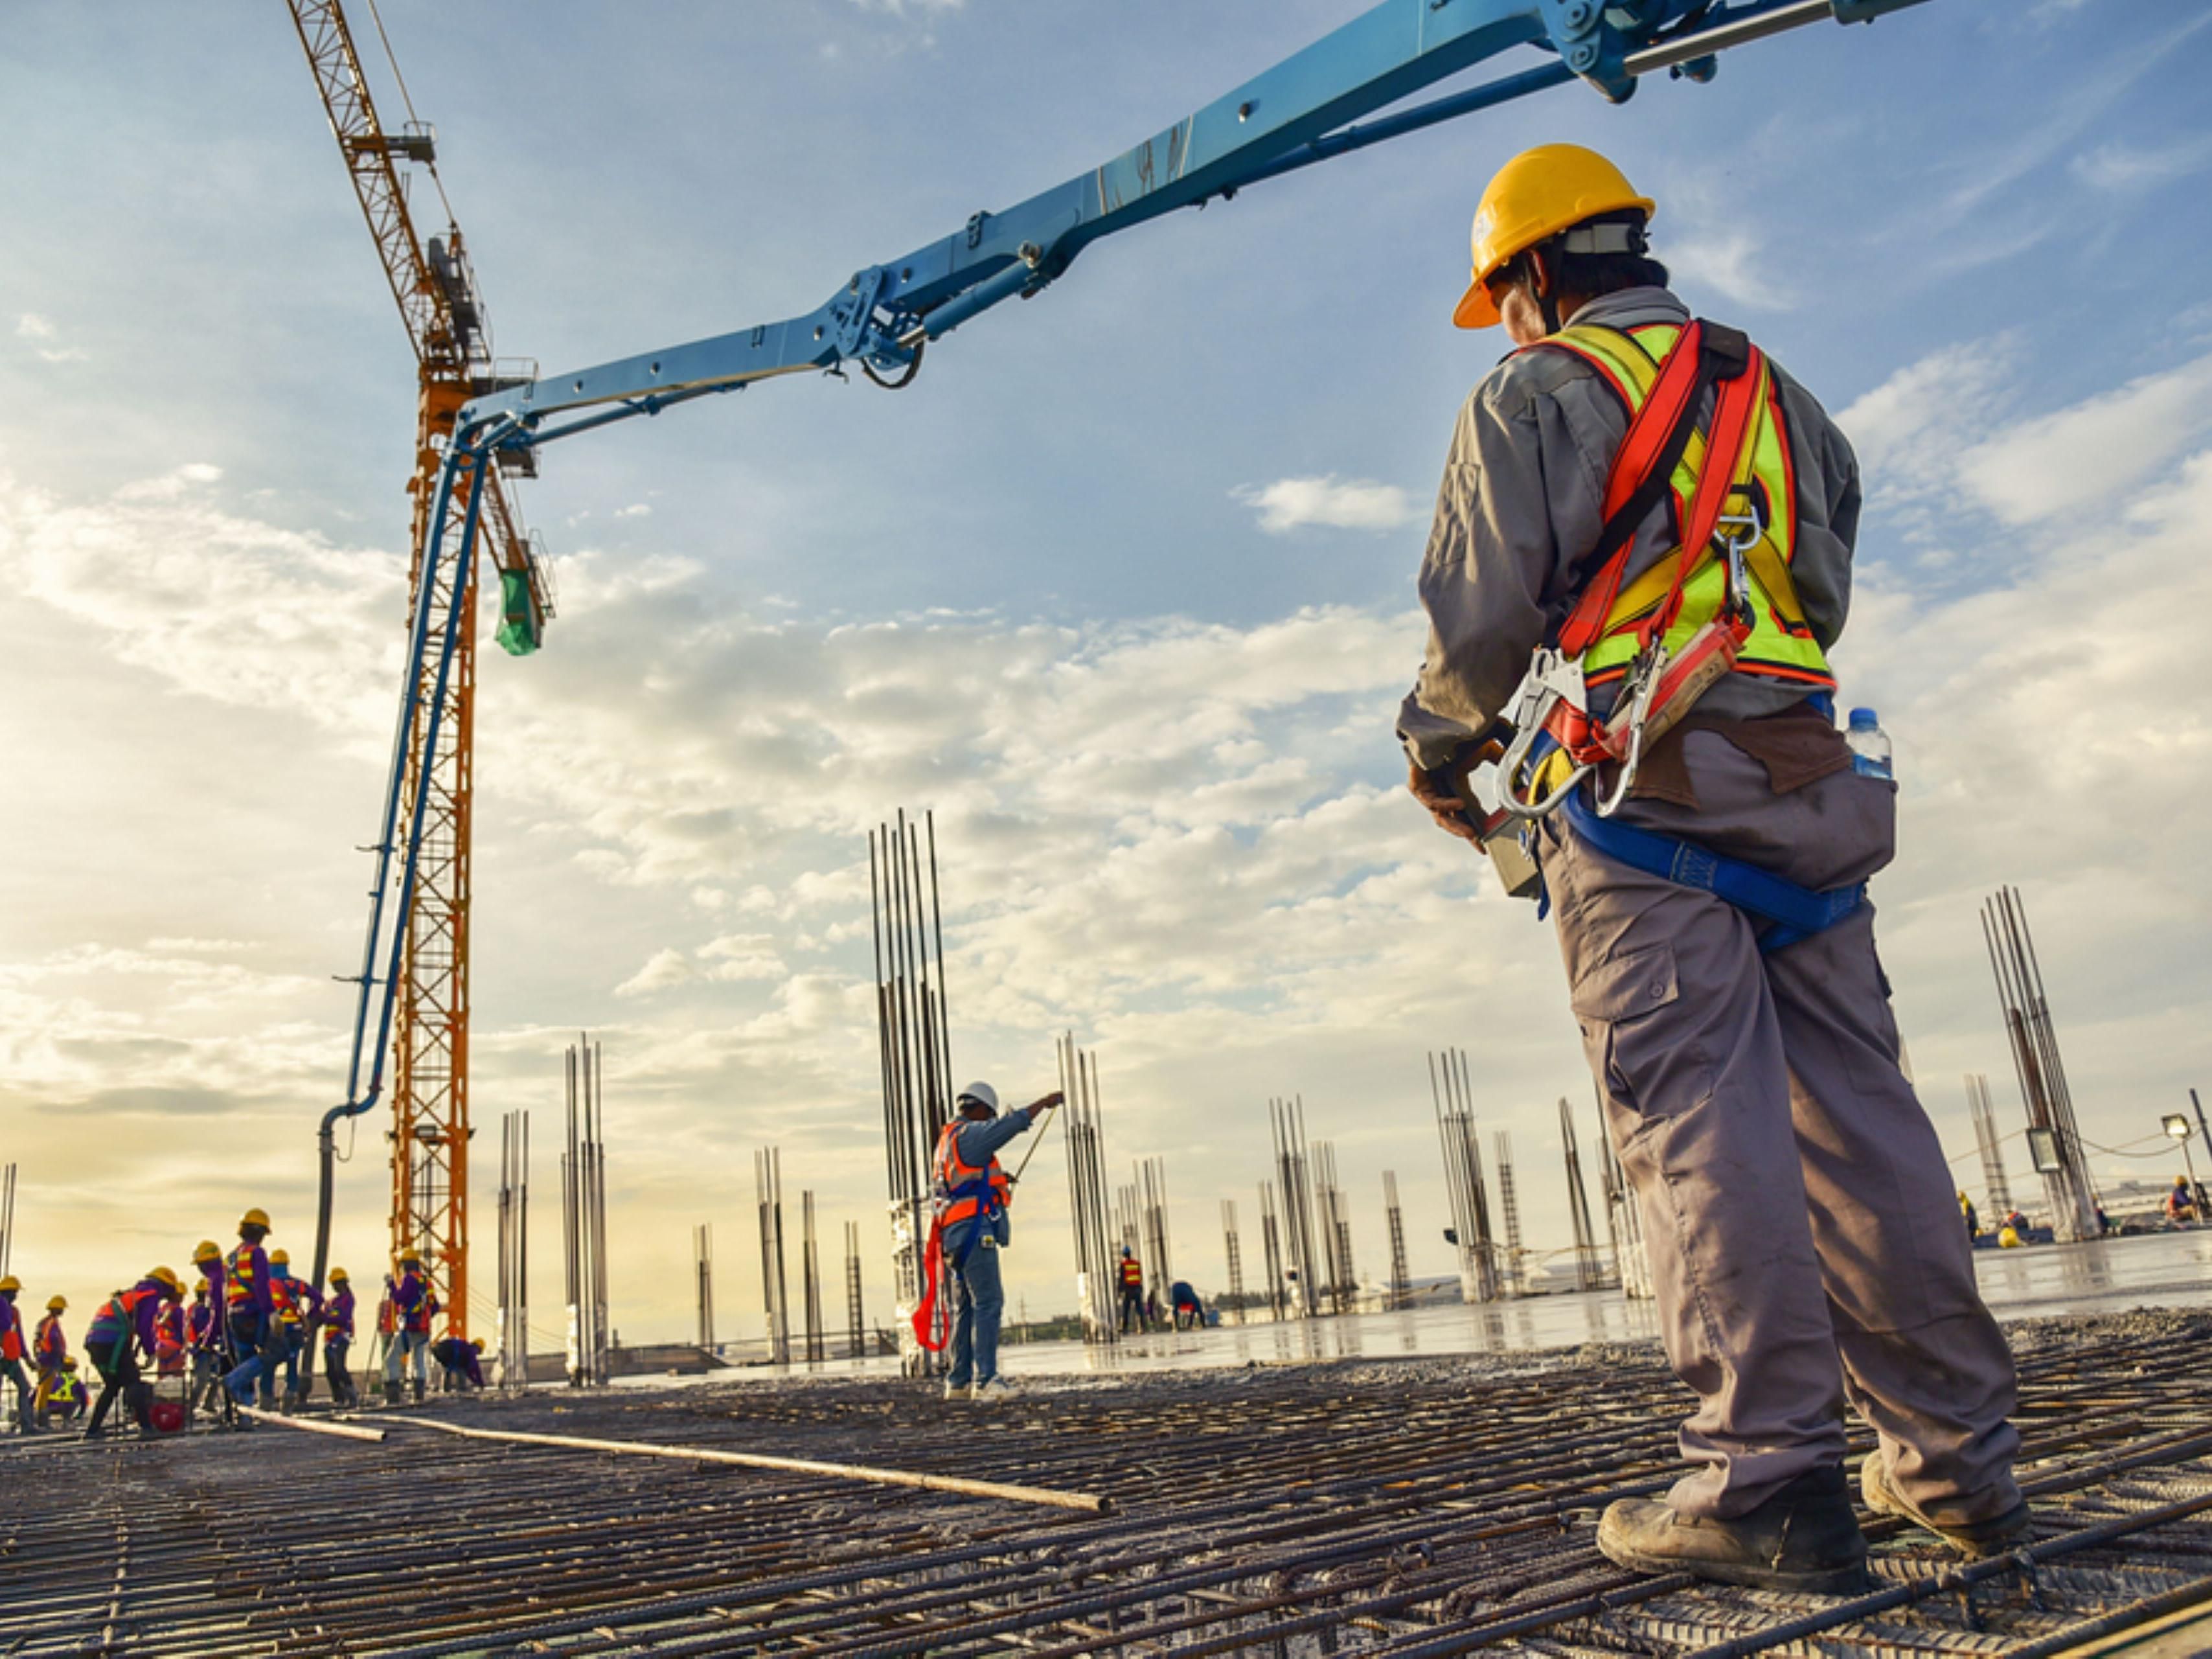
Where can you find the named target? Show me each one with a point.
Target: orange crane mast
(434, 286)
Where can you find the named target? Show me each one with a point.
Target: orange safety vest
(50, 1347)
(285, 1297)
(11, 1334)
(1133, 1273)
(963, 1190)
(237, 1276)
(119, 1311)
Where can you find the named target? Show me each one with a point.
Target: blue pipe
(476, 456)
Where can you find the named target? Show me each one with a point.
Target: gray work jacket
(1522, 501)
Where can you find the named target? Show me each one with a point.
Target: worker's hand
(1037, 1109)
(1438, 791)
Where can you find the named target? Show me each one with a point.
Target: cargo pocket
(1649, 1058)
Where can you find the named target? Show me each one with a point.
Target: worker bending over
(412, 1307)
(337, 1339)
(972, 1192)
(2181, 1202)
(1184, 1306)
(122, 1333)
(461, 1363)
(1130, 1301)
(13, 1351)
(65, 1397)
(257, 1347)
(1804, 1248)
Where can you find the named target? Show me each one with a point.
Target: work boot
(1804, 1539)
(391, 1393)
(992, 1389)
(956, 1391)
(1975, 1539)
(418, 1390)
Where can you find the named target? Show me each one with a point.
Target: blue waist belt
(1789, 912)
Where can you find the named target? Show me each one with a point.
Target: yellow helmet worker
(1536, 196)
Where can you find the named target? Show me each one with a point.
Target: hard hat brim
(1475, 308)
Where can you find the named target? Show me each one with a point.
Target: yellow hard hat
(57, 1304)
(1531, 199)
(337, 1276)
(206, 1250)
(255, 1218)
(413, 1257)
(164, 1276)
(11, 1282)
(477, 1342)
(280, 1258)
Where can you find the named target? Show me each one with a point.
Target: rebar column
(1234, 1253)
(1590, 1273)
(856, 1324)
(1402, 1283)
(810, 1272)
(1511, 1264)
(1996, 1189)
(2053, 1138)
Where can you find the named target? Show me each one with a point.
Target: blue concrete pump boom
(1302, 111)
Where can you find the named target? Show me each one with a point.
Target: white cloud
(36, 329)
(2117, 166)
(1728, 262)
(2091, 451)
(665, 969)
(634, 510)
(1287, 504)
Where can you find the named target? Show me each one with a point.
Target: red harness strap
(1655, 431)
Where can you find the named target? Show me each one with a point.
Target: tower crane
(426, 982)
(1339, 94)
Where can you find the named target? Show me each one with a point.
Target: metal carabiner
(1635, 695)
(1509, 772)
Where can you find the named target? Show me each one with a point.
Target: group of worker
(247, 1322)
(1136, 1305)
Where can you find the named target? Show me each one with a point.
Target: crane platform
(1403, 1507)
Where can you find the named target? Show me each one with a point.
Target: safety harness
(961, 1191)
(1735, 508)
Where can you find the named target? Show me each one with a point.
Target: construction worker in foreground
(13, 1351)
(972, 1193)
(123, 1332)
(251, 1315)
(1803, 1244)
(337, 1339)
(412, 1306)
(49, 1354)
(1130, 1292)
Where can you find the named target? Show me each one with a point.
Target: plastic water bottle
(1869, 746)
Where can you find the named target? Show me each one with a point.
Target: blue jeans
(263, 1344)
(977, 1301)
(407, 1345)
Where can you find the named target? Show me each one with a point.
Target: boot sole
(1832, 1581)
(1993, 1538)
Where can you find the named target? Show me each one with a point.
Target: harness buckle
(1553, 680)
(1736, 534)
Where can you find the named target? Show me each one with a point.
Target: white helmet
(983, 1094)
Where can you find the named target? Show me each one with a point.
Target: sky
(1122, 589)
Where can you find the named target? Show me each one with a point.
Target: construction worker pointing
(1640, 513)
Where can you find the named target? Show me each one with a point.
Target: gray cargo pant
(1804, 1240)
